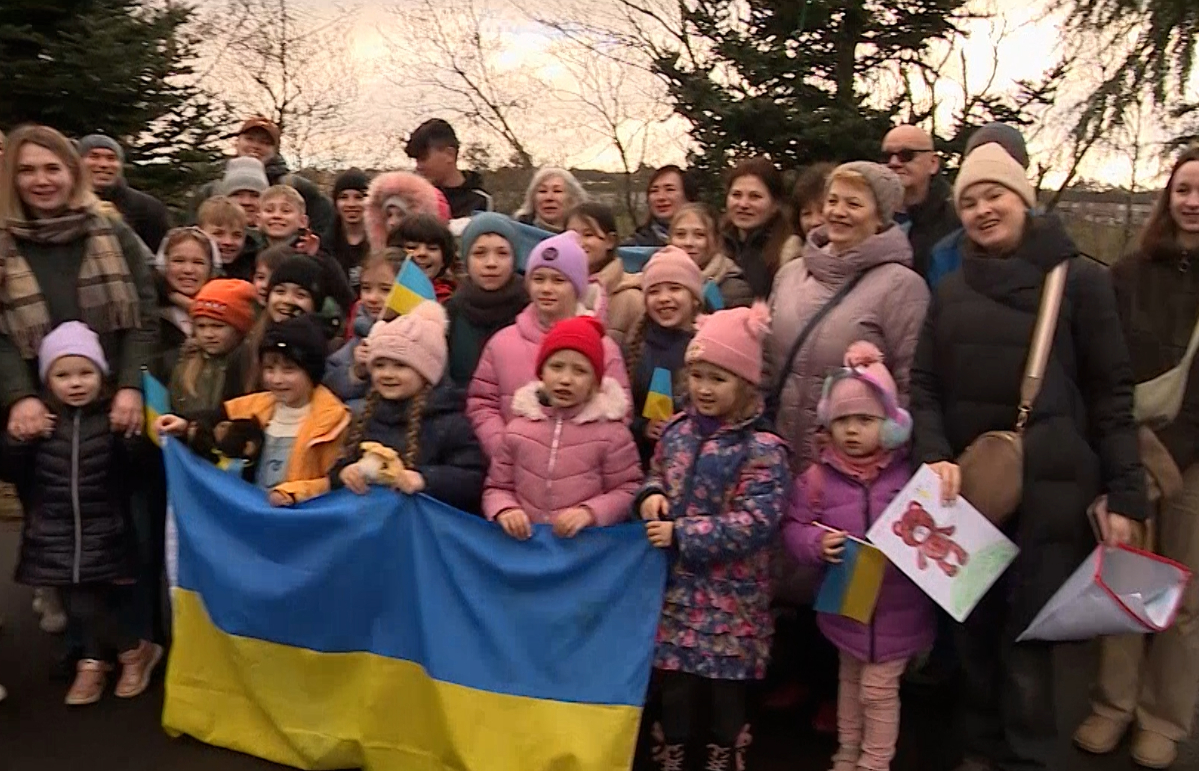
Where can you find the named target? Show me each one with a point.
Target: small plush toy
(380, 465)
(238, 441)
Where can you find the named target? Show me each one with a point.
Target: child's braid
(358, 428)
(635, 346)
(416, 410)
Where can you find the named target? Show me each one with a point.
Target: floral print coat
(727, 491)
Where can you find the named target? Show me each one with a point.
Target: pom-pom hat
(416, 339)
(865, 387)
(732, 340)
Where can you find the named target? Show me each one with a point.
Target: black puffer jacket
(931, 220)
(73, 484)
(1080, 440)
(448, 456)
(1158, 299)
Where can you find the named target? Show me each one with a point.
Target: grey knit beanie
(101, 142)
(884, 184)
(1007, 137)
(244, 174)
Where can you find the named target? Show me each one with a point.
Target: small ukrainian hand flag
(659, 404)
(851, 586)
(157, 402)
(412, 287)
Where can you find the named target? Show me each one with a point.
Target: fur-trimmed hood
(417, 193)
(610, 403)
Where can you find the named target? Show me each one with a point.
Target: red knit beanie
(228, 300)
(584, 334)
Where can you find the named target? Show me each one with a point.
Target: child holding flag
(715, 494)
(566, 459)
(348, 373)
(861, 469)
(303, 421)
(654, 354)
(77, 534)
(412, 410)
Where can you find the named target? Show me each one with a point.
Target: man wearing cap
(947, 254)
(434, 147)
(105, 159)
(926, 214)
(259, 138)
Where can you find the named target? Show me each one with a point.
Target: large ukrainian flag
(384, 632)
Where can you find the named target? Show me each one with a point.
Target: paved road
(38, 733)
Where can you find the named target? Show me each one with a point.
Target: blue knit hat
(485, 224)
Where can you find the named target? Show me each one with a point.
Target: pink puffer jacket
(507, 363)
(551, 460)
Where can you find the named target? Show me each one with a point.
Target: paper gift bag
(1117, 590)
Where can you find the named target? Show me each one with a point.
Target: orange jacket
(318, 444)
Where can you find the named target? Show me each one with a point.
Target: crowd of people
(869, 320)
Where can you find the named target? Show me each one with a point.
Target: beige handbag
(1156, 402)
(992, 467)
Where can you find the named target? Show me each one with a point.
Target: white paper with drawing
(953, 553)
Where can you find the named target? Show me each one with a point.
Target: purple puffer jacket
(903, 623)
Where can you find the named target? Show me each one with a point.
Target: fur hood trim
(417, 193)
(608, 404)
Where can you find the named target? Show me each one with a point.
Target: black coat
(469, 198)
(646, 236)
(931, 220)
(1158, 299)
(144, 213)
(1080, 440)
(74, 488)
(449, 456)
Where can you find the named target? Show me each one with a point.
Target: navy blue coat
(448, 456)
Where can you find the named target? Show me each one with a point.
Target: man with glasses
(927, 213)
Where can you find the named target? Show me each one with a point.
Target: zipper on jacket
(549, 472)
(866, 529)
(75, 568)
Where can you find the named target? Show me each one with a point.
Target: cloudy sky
(393, 94)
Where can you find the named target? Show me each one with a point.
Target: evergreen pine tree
(119, 67)
(790, 78)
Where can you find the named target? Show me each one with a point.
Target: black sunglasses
(906, 155)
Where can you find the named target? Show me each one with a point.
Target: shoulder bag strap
(1042, 341)
(776, 391)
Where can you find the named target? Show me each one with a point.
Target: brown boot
(137, 666)
(667, 757)
(90, 679)
(1100, 734)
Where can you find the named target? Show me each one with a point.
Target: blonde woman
(64, 260)
(549, 199)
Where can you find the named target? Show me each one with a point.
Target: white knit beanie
(991, 163)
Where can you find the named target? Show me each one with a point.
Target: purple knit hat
(70, 338)
(564, 254)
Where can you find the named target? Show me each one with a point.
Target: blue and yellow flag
(157, 401)
(412, 287)
(712, 296)
(659, 401)
(851, 587)
(389, 632)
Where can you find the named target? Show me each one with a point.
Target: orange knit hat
(228, 300)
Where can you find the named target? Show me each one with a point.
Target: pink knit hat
(863, 387)
(732, 340)
(70, 338)
(564, 253)
(672, 265)
(416, 339)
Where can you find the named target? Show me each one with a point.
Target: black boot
(667, 757)
(720, 758)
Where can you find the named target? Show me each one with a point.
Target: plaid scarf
(107, 295)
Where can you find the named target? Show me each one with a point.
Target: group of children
(512, 398)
